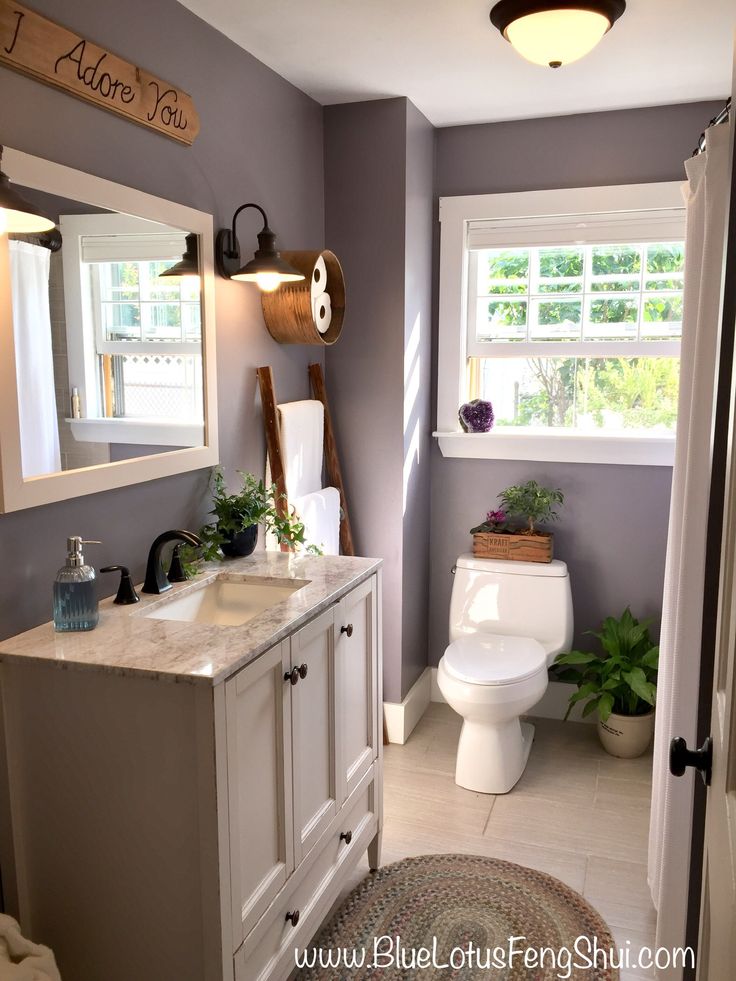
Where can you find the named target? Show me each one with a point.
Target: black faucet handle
(126, 594)
(176, 571)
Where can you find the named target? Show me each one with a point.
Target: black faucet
(156, 581)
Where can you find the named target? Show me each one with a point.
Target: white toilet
(508, 620)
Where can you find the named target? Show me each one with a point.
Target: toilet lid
(494, 659)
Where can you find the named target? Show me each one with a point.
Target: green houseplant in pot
(234, 532)
(620, 683)
(501, 536)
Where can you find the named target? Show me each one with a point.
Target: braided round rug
(450, 907)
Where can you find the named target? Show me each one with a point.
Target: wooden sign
(38, 47)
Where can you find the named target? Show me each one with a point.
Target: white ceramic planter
(626, 736)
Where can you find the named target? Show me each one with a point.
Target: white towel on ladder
(302, 426)
(320, 513)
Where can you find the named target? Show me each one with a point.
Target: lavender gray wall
(614, 526)
(261, 140)
(378, 202)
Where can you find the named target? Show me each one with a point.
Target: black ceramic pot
(240, 543)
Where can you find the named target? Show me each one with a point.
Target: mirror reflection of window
(109, 351)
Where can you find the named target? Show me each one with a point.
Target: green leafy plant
(532, 502)
(253, 504)
(623, 679)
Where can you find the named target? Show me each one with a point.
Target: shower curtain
(34, 365)
(706, 198)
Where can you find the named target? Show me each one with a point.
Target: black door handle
(681, 757)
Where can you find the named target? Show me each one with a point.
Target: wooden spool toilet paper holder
(289, 311)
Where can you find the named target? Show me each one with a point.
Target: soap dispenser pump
(75, 595)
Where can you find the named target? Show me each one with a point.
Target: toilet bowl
(506, 626)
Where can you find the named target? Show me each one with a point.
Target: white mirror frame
(15, 491)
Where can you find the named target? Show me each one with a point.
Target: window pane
(504, 319)
(615, 286)
(159, 387)
(560, 263)
(615, 260)
(556, 319)
(121, 321)
(585, 394)
(612, 318)
(666, 258)
(662, 316)
(503, 271)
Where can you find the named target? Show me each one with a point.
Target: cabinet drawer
(268, 952)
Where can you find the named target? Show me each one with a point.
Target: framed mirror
(107, 332)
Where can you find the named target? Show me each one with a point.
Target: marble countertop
(126, 641)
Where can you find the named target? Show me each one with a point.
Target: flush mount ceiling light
(188, 265)
(267, 269)
(555, 34)
(16, 214)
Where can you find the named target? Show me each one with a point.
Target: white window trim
(455, 215)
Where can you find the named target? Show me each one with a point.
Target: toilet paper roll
(322, 312)
(319, 279)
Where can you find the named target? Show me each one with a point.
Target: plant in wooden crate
(530, 503)
(620, 683)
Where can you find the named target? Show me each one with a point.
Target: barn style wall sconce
(554, 34)
(267, 269)
(188, 265)
(17, 216)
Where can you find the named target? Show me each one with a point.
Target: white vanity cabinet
(303, 775)
(184, 827)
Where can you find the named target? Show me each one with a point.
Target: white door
(313, 703)
(356, 667)
(717, 943)
(258, 714)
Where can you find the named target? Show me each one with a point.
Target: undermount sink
(226, 603)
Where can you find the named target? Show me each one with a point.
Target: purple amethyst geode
(476, 416)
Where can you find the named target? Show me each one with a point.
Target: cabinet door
(258, 714)
(356, 666)
(313, 732)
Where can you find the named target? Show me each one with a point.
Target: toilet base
(491, 757)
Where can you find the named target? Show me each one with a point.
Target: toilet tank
(522, 599)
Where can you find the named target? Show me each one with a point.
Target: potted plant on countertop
(234, 532)
(621, 684)
(497, 538)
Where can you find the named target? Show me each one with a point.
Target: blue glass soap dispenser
(75, 592)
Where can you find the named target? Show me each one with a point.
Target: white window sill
(558, 447)
(143, 432)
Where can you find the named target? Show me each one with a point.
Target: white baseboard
(553, 704)
(401, 717)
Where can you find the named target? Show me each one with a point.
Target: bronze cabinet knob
(302, 669)
(292, 676)
(347, 837)
(347, 630)
(294, 917)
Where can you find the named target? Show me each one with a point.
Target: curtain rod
(721, 117)
(50, 240)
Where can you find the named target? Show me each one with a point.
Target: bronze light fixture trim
(267, 269)
(16, 214)
(555, 34)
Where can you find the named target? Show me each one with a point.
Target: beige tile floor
(576, 813)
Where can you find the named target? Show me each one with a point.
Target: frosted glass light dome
(555, 34)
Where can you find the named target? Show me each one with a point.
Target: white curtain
(34, 364)
(669, 835)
